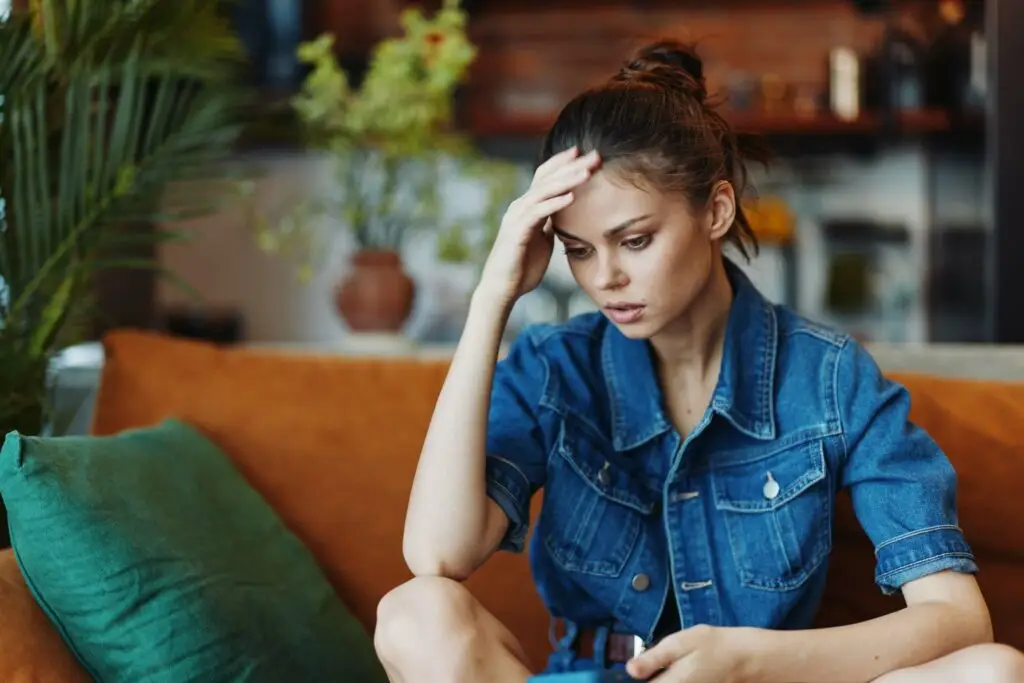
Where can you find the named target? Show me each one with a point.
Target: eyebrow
(610, 232)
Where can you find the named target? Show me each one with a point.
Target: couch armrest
(31, 649)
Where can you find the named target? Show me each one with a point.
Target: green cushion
(158, 562)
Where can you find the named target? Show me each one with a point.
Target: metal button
(603, 478)
(641, 582)
(771, 488)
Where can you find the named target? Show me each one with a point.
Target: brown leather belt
(618, 648)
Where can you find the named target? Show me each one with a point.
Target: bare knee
(992, 663)
(426, 622)
(986, 663)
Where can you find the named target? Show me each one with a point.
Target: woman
(689, 437)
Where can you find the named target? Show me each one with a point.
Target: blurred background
(891, 211)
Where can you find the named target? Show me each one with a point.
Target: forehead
(606, 200)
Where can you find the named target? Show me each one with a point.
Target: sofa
(330, 441)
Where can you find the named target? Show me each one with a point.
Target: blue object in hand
(583, 677)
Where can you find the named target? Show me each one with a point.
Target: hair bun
(668, 58)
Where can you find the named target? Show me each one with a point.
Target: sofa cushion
(157, 561)
(977, 424)
(31, 649)
(331, 441)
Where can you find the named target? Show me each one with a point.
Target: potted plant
(390, 145)
(112, 114)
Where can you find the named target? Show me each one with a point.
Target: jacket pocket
(777, 513)
(594, 507)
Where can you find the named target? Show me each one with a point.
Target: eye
(637, 243)
(576, 252)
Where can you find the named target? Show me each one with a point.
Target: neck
(691, 347)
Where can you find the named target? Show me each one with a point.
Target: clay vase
(376, 296)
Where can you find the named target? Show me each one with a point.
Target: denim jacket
(737, 516)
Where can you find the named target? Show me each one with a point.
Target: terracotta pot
(377, 294)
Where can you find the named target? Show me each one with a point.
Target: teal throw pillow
(159, 563)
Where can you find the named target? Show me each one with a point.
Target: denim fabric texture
(737, 516)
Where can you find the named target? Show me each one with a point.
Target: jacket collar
(745, 390)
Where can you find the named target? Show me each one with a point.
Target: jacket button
(641, 582)
(603, 478)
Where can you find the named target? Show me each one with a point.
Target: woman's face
(641, 255)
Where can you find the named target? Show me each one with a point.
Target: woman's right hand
(522, 249)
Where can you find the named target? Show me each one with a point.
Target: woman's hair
(652, 122)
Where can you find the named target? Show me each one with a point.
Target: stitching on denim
(514, 467)
(835, 398)
(959, 554)
(917, 532)
(835, 340)
(770, 357)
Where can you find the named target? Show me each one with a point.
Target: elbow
(428, 560)
(984, 632)
(977, 614)
(975, 622)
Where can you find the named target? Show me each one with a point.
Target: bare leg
(988, 663)
(432, 630)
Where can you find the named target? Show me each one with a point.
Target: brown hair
(652, 121)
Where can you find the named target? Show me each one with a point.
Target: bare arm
(451, 526)
(945, 612)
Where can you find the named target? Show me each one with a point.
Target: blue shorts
(566, 657)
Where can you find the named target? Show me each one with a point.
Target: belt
(618, 648)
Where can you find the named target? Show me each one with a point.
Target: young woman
(690, 439)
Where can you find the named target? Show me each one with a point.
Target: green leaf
(113, 114)
(51, 316)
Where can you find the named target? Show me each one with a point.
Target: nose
(609, 275)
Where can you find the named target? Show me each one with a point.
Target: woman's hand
(522, 248)
(700, 654)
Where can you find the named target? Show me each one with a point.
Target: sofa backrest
(332, 442)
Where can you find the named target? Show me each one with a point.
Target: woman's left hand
(701, 654)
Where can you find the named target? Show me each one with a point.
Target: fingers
(551, 190)
(558, 183)
(554, 192)
(681, 671)
(567, 159)
(556, 161)
(658, 657)
(540, 212)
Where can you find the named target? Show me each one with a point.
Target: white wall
(223, 263)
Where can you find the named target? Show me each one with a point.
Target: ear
(721, 209)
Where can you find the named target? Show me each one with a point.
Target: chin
(641, 329)
(631, 332)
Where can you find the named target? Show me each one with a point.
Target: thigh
(987, 663)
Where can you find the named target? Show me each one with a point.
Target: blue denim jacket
(737, 516)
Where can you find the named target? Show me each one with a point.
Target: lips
(624, 313)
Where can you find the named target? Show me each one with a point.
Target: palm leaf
(113, 113)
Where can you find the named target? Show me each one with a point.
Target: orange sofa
(331, 441)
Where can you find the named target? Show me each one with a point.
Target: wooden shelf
(787, 124)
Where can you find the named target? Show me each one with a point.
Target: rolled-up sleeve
(902, 485)
(516, 438)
